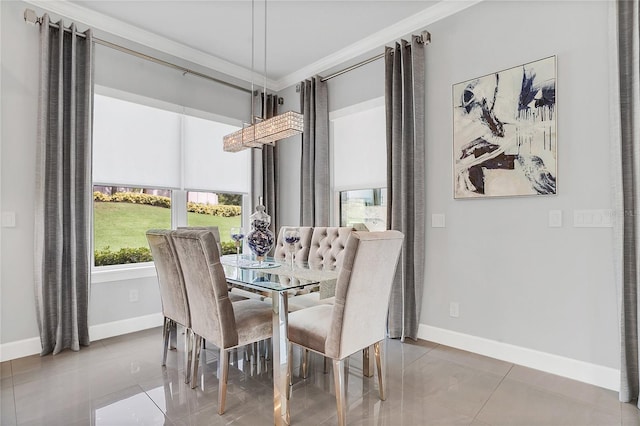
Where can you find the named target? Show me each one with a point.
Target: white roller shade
(207, 166)
(359, 149)
(135, 144)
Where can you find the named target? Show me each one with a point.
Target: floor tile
(459, 387)
(120, 381)
(7, 403)
(630, 414)
(129, 406)
(517, 403)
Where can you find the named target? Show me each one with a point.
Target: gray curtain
(270, 168)
(314, 177)
(63, 187)
(626, 158)
(405, 116)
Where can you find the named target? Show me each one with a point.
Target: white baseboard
(605, 377)
(19, 349)
(32, 346)
(129, 325)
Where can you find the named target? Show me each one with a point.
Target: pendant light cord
(264, 94)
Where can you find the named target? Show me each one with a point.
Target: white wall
(19, 56)
(529, 293)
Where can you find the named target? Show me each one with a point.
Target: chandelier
(262, 131)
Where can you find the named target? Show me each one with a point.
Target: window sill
(104, 274)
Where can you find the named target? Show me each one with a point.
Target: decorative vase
(260, 238)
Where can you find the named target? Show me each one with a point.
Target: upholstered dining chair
(357, 319)
(214, 317)
(173, 296)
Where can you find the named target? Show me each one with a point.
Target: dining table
(277, 279)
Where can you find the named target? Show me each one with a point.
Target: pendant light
(262, 131)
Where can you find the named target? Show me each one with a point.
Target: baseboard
(19, 349)
(129, 325)
(32, 346)
(605, 377)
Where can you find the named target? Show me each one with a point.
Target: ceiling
(303, 37)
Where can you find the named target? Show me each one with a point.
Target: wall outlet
(454, 310)
(133, 295)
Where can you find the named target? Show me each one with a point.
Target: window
(358, 139)
(366, 206)
(157, 165)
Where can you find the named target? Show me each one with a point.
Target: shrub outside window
(121, 218)
(216, 209)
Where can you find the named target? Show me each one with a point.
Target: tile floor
(119, 381)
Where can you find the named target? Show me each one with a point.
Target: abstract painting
(504, 132)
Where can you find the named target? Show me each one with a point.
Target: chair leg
(197, 344)
(223, 365)
(173, 335)
(376, 348)
(165, 339)
(367, 362)
(289, 369)
(305, 363)
(188, 354)
(325, 366)
(341, 395)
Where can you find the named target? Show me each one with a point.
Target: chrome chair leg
(305, 363)
(173, 336)
(341, 398)
(289, 369)
(325, 367)
(367, 362)
(197, 344)
(165, 339)
(377, 350)
(223, 375)
(188, 353)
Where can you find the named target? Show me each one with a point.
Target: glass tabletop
(273, 275)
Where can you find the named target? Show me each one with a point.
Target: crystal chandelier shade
(266, 132)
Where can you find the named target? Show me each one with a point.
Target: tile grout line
(492, 393)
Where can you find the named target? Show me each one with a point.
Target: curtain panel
(63, 187)
(626, 167)
(270, 188)
(314, 175)
(405, 117)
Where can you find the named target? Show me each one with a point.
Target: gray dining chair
(173, 296)
(357, 319)
(214, 317)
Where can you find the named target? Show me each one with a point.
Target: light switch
(8, 219)
(437, 220)
(555, 218)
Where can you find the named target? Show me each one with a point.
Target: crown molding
(389, 34)
(126, 31)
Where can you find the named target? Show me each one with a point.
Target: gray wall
(516, 280)
(19, 50)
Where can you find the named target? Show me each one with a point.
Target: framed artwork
(504, 132)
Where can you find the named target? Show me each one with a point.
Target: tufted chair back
(172, 290)
(281, 250)
(214, 230)
(327, 246)
(212, 315)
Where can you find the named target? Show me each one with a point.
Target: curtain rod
(31, 18)
(424, 38)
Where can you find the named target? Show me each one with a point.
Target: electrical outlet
(454, 310)
(133, 295)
